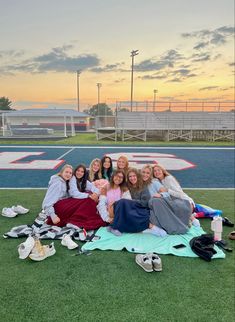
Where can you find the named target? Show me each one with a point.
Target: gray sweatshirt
(55, 192)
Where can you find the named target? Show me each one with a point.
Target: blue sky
(185, 50)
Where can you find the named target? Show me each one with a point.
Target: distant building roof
(47, 112)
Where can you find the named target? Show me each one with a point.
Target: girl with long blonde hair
(58, 189)
(95, 170)
(172, 186)
(123, 163)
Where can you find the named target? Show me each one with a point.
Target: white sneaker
(20, 210)
(8, 212)
(145, 262)
(40, 252)
(25, 248)
(157, 262)
(68, 242)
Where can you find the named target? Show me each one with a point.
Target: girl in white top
(172, 186)
(80, 186)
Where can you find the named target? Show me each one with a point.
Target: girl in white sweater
(172, 186)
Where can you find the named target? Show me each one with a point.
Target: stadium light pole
(78, 89)
(99, 85)
(133, 54)
(154, 98)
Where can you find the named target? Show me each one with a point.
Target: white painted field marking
(15, 160)
(138, 159)
(60, 157)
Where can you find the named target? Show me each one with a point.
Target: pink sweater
(113, 195)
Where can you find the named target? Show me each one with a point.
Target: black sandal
(227, 222)
(223, 244)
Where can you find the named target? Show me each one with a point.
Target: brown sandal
(232, 235)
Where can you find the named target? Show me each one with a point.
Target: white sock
(196, 222)
(114, 231)
(73, 226)
(155, 231)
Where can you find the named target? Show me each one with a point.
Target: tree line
(102, 109)
(97, 109)
(5, 104)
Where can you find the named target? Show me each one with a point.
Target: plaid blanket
(50, 232)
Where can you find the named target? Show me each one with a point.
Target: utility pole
(78, 89)
(99, 85)
(154, 98)
(133, 54)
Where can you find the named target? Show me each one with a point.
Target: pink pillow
(101, 183)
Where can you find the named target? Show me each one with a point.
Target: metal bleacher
(186, 126)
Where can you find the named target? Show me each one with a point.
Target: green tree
(99, 109)
(5, 104)
(123, 109)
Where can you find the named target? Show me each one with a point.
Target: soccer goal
(37, 125)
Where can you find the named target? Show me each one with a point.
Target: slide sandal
(223, 244)
(232, 235)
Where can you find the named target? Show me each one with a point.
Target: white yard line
(208, 188)
(60, 157)
(23, 188)
(116, 147)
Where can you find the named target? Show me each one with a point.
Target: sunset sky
(186, 50)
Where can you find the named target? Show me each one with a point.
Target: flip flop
(227, 222)
(223, 244)
(232, 235)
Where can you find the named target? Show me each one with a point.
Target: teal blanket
(145, 243)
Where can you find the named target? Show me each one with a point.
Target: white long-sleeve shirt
(174, 188)
(75, 193)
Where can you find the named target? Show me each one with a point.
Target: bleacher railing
(176, 106)
(167, 121)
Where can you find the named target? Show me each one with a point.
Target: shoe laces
(39, 248)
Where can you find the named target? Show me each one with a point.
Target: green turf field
(90, 139)
(108, 285)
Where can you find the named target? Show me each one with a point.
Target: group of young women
(123, 199)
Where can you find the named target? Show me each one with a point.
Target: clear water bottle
(217, 227)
